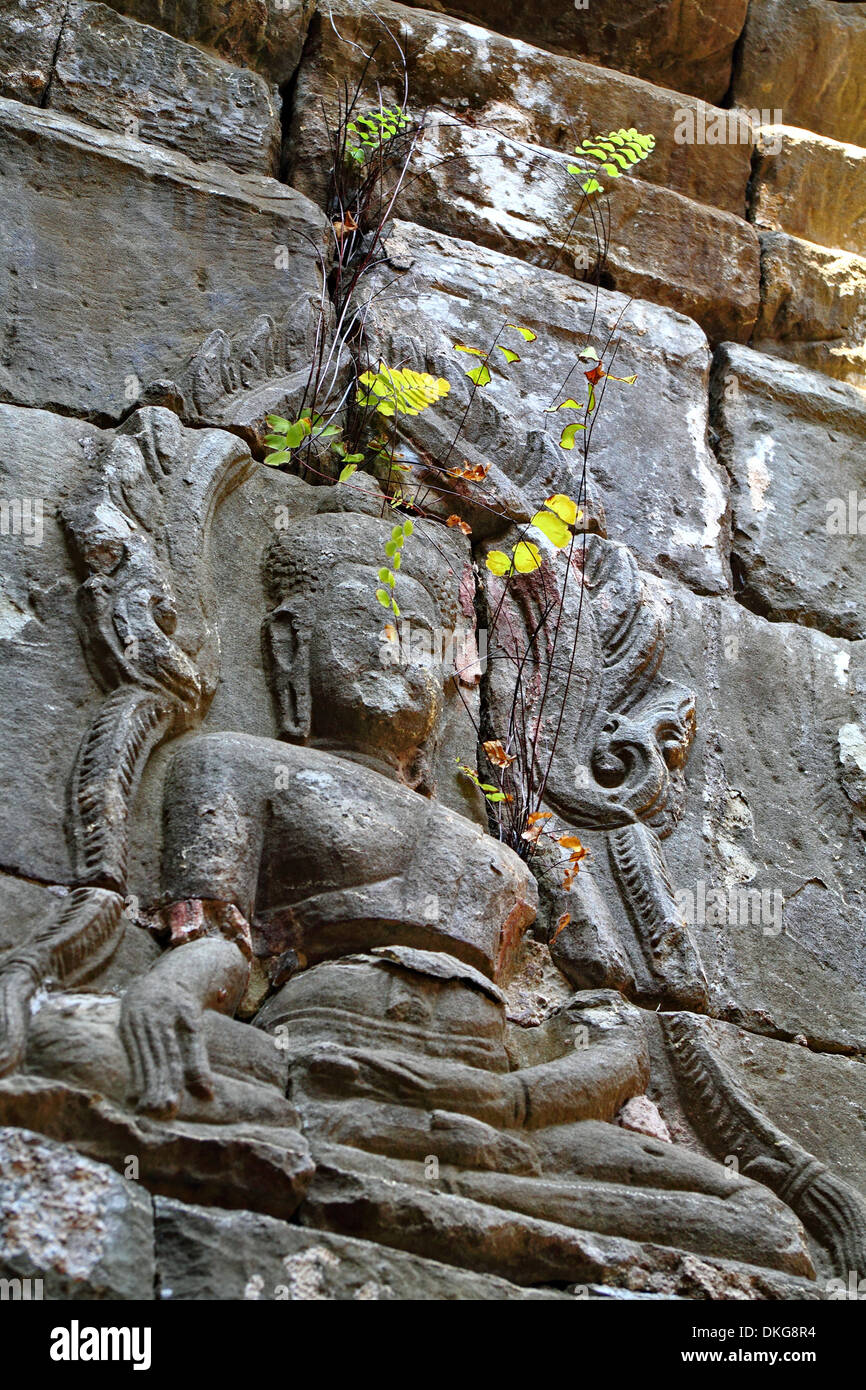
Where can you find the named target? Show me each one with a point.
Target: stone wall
(166, 251)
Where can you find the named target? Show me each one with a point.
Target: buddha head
(335, 679)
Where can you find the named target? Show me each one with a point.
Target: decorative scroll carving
(730, 1124)
(138, 529)
(130, 724)
(622, 743)
(642, 877)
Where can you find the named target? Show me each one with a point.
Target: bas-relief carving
(236, 382)
(377, 925)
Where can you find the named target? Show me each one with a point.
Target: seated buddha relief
(381, 929)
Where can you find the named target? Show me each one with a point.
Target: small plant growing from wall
(354, 411)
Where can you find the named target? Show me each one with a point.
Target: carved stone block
(117, 75)
(660, 484)
(793, 445)
(71, 1223)
(221, 238)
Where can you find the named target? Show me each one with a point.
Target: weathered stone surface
(509, 87)
(267, 35)
(252, 933)
(767, 860)
(671, 507)
(811, 187)
(76, 1225)
(805, 57)
(793, 444)
(526, 1249)
(817, 1099)
(813, 306)
(519, 199)
(44, 459)
(209, 1254)
(29, 30)
(216, 1154)
(679, 45)
(118, 75)
(72, 196)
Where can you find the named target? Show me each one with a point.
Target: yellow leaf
(563, 507)
(561, 924)
(527, 557)
(498, 562)
(553, 527)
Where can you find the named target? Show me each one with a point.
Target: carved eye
(671, 747)
(609, 770)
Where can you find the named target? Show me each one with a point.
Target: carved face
(376, 694)
(338, 678)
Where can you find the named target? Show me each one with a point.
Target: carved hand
(160, 1024)
(17, 984)
(493, 1097)
(161, 1021)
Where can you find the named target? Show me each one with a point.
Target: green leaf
(295, 435)
(495, 796)
(354, 458)
(591, 187)
(397, 560)
(390, 549)
(274, 460)
(397, 536)
(568, 434)
(553, 528)
(276, 441)
(588, 354)
(347, 472)
(480, 375)
(508, 354)
(386, 577)
(570, 404)
(611, 170)
(526, 333)
(408, 526)
(498, 562)
(384, 597)
(590, 405)
(394, 609)
(277, 422)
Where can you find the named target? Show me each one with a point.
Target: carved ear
(286, 633)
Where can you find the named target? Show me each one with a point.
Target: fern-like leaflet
(613, 154)
(372, 131)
